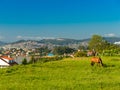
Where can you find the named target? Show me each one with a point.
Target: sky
(44, 19)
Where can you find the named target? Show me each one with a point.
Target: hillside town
(25, 49)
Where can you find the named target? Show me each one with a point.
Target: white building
(6, 61)
(118, 43)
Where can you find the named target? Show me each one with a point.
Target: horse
(97, 60)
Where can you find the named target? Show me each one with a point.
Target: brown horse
(97, 60)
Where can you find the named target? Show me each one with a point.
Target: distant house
(91, 53)
(6, 61)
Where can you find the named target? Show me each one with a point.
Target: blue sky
(77, 19)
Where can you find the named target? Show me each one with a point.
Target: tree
(32, 59)
(97, 43)
(80, 54)
(43, 51)
(24, 61)
(62, 50)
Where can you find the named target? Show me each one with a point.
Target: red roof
(6, 57)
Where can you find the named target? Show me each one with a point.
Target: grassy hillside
(67, 74)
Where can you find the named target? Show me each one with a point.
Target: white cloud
(33, 37)
(19, 37)
(110, 35)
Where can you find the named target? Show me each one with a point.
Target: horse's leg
(98, 63)
(101, 62)
(92, 63)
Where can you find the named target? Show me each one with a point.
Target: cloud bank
(110, 35)
(33, 37)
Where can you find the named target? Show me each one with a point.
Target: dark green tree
(80, 54)
(98, 44)
(43, 51)
(62, 50)
(24, 61)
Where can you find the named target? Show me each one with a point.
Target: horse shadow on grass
(108, 65)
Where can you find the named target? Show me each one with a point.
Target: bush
(24, 61)
(112, 52)
(80, 54)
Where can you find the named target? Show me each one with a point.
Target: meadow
(66, 74)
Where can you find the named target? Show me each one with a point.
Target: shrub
(24, 61)
(80, 54)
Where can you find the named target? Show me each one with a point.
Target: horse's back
(95, 59)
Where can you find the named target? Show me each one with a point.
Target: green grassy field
(67, 74)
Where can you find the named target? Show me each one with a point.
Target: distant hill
(19, 41)
(112, 39)
(2, 43)
(54, 42)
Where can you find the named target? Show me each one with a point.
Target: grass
(67, 74)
